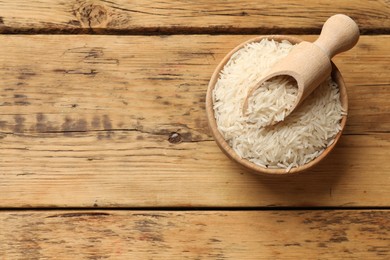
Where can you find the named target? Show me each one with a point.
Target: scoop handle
(339, 33)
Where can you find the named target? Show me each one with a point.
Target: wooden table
(105, 150)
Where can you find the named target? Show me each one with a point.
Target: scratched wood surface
(203, 16)
(118, 120)
(101, 121)
(195, 235)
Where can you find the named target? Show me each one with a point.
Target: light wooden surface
(215, 16)
(339, 234)
(85, 121)
(118, 120)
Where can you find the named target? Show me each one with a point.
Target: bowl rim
(225, 147)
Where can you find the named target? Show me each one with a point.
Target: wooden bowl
(225, 147)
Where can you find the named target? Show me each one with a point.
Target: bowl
(225, 147)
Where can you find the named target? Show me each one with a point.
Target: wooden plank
(195, 16)
(87, 120)
(340, 234)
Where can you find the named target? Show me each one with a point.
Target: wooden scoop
(309, 63)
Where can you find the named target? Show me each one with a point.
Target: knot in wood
(92, 15)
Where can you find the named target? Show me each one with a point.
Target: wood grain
(113, 121)
(119, 121)
(334, 234)
(187, 17)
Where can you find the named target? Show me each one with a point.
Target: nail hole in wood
(175, 138)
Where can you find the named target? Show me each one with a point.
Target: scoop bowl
(225, 147)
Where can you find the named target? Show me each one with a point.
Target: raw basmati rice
(270, 103)
(297, 140)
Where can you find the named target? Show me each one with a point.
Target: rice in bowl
(296, 141)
